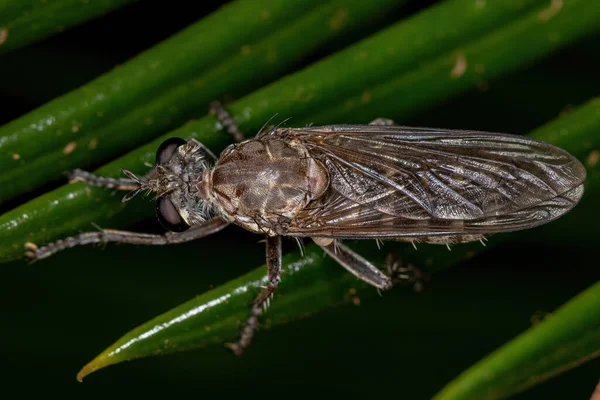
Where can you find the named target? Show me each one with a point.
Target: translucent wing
(391, 181)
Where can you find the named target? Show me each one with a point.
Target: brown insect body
(347, 182)
(413, 184)
(371, 181)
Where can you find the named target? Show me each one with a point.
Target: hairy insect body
(337, 182)
(262, 184)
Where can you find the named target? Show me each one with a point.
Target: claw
(409, 274)
(31, 252)
(235, 348)
(30, 246)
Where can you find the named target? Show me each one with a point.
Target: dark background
(58, 315)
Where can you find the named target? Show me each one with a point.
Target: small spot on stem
(75, 126)
(548, 13)
(460, 66)
(69, 148)
(3, 35)
(593, 158)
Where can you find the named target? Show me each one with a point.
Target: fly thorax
(266, 180)
(205, 189)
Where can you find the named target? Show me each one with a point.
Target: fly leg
(356, 264)
(217, 109)
(79, 175)
(131, 184)
(209, 227)
(260, 304)
(406, 274)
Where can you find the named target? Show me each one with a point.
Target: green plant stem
(564, 340)
(180, 58)
(166, 85)
(75, 207)
(23, 21)
(256, 64)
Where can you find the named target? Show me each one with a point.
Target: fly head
(176, 178)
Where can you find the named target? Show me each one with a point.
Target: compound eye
(169, 217)
(167, 149)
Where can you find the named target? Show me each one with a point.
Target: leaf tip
(97, 363)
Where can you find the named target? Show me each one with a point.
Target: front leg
(79, 175)
(209, 227)
(263, 299)
(132, 183)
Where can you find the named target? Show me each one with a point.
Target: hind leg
(217, 109)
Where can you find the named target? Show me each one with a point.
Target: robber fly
(335, 182)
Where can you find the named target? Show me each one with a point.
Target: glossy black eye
(167, 149)
(169, 217)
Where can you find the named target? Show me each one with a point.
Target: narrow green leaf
(254, 65)
(516, 45)
(178, 60)
(175, 79)
(25, 21)
(314, 282)
(319, 87)
(564, 340)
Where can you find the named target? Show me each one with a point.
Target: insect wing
(391, 181)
